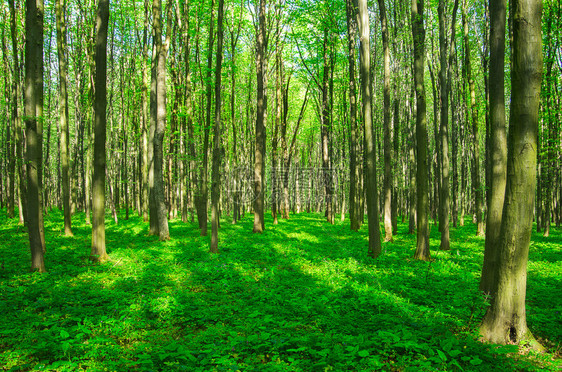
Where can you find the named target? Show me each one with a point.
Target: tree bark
(98, 252)
(370, 155)
(159, 111)
(475, 147)
(498, 144)
(215, 188)
(33, 122)
(259, 166)
(354, 175)
(387, 183)
(422, 191)
(445, 85)
(505, 320)
(60, 10)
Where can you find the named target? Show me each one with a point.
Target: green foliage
(302, 296)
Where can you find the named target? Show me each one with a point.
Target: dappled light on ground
(302, 296)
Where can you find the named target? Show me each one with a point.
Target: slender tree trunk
(422, 191)
(444, 82)
(98, 252)
(354, 176)
(33, 122)
(498, 145)
(163, 231)
(413, 182)
(259, 167)
(60, 10)
(505, 320)
(370, 156)
(387, 188)
(215, 189)
(325, 134)
(275, 138)
(16, 160)
(474, 121)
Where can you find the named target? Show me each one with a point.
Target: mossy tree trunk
(505, 320)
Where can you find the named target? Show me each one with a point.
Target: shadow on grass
(302, 296)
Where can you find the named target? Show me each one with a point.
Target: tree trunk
(422, 210)
(412, 159)
(445, 84)
(354, 175)
(498, 144)
(505, 320)
(387, 187)
(215, 188)
(370, 156)
(474, 121)
(60, 10)
(259, 167)
(33, 122)
(98, 252)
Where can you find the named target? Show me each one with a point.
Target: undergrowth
(302, 296)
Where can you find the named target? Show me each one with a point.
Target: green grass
(302, 296)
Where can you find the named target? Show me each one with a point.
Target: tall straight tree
(370, 154)
(354, 176)
(498, 144)
(216, 181)
(98, 252)
(60, 10)
(475, 148)
(159, 121)
(505, 320)
(445, 85)
(387, 182)
(259, 166)
(34, 13)
(16, 118)
(422, 188)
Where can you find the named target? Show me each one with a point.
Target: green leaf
(64, 334)
(441, 355)
(476, 361)
(363, 353)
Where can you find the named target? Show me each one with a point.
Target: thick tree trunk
(98, 252)
(33, 122)
(422, 191)
(370, 156)
(505, 320)
(215, 188)
(259, 166)
(498, 144)
(60, 10)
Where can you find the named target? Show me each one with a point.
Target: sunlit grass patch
(302, 296)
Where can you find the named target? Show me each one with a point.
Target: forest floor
(302, 296)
